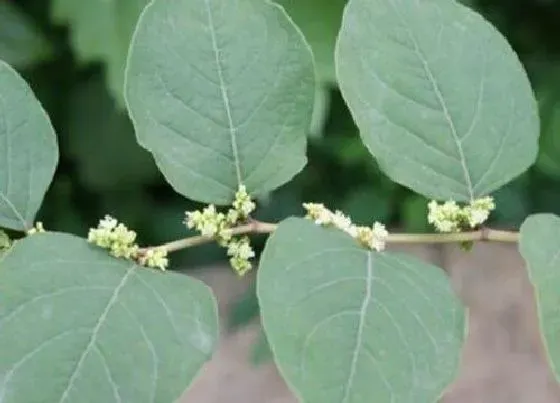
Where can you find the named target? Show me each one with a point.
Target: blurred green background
(73, 52)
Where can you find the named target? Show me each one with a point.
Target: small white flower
(340, 221)
(372, 238)
(232, 216)
(352, 230)
(240, 251)
(449, 217)
(446, 226)
(477, 217)
(119, 240)
(379, 231)
(318, 213)
(243, 203)
(36, 229)
(446, 217)
(208, 228)
(479, 210)
(156, 257)
(107, 223)
(379, 236)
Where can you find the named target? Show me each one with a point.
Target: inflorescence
(121, 243)
(36, 229)
(370, 237)
(218, 226)
(450, 217)
(226, 229)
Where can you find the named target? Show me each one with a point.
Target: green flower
(155, 257)
(243, 203)
(117, 238)
(240, 252)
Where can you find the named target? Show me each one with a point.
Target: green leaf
(101, 31)
(21, 43)
(97, 124)
(320, 21)
(347, 325)
(440, 98)
(221, 93)
(83, 326)
(29, 150)
(539, 245)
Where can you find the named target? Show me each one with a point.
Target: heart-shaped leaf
(29, 151)
(77, 325)
(440, 98)
(221, 93)
(347, 325)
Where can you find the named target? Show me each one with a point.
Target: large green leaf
(101, 31)
(320, 21)
(21, 43)
(221, 92)
(77, 325)
(347, 325)
(441, 99)
(540, 247)
(29, 151)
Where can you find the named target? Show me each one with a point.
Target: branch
(258, 227)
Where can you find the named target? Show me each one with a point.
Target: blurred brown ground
(503, 359)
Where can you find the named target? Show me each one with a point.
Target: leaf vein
(95, 332)
(441, 100)
(225, 95)
(361, 325)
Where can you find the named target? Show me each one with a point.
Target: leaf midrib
(13, 208)
(441, 101)
(359, 335)
(224, 92)
(95, 332)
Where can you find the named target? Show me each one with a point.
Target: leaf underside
(439, 96)
(83, 326)
(540, 247)
(221, 93)
(28, 150)
(347, 325)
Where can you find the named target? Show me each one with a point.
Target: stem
(484, 234)
(258, 227)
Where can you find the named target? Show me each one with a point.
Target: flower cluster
(36, 229)
(242, 206)
(219, 226)
(373, 237)
(210, 223)
(121, 243)
(154, 257)
(450, 217)
(240, 252)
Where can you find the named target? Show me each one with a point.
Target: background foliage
(72, 54)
